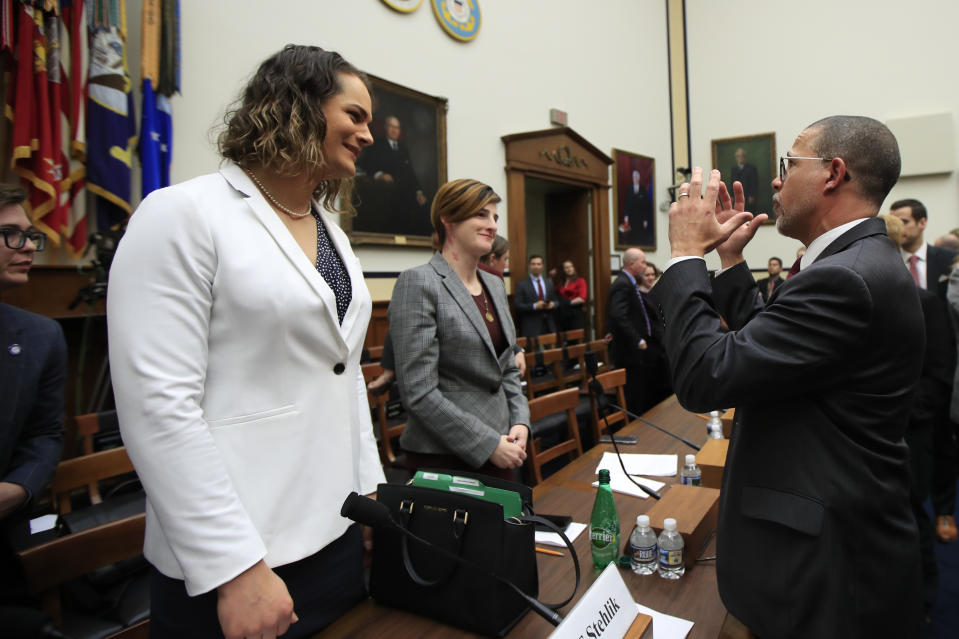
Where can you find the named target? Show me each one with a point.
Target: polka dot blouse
(330, 266)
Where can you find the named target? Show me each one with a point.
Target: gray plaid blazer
(460, 396)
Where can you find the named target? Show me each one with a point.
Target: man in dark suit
(637, 227)
(637, 338)
(816, 536)
(768, 285)
(33, 364)
(930, 267)
(748, 176)
(395, 187)
(535, 301)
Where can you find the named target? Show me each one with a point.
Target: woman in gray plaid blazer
(452, 333)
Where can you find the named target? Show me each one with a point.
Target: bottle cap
(603, 476)
(669, 524)
(690, 460)
(643, 521)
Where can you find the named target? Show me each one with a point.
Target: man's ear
(837, 175)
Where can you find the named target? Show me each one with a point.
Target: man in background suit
(768, 285)
(748, 176)
(816, 535)
(637, 227)
(930, 267)
(33, 366)
(637, 338)
(535, 301)
(388, 163)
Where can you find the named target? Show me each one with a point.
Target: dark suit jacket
(763, 285)
(532, 321)
(816, 537)
(938, 267)
(397, 200)
(625, 322)
(749, 177)
(33, 372)
(939, 360)
(639, 208)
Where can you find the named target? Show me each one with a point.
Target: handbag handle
(460, 519)
(535, 519)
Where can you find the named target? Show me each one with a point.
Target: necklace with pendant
(489, 316)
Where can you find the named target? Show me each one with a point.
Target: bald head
(634, 262)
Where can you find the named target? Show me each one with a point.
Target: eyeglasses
(783, 167)
(15, 239)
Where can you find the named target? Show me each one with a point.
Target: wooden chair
(547, 340)
(600, 350)
(613, 382)
(387, 431)
(552, 359)
(82, 433)
(575, 336)
(540, 410)
(523, 342)
(375, 352)
(48, 565)
(577, 373)
(87, 471)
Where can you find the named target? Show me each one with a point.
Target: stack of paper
(552, 539)
(666, 626)
(659, 465)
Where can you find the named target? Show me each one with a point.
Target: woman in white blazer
(237, 312)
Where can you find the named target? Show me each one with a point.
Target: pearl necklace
(276, 202)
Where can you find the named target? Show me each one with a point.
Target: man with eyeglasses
(816, 537)
(33, 366)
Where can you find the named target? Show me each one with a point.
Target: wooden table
(569, 492)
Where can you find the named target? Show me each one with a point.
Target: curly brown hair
(278, 122)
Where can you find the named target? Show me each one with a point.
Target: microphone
(366, 511)
(602, 401)
(370, 512)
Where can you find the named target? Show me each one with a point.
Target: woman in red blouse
(573, 291)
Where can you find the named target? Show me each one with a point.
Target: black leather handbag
(418, 578)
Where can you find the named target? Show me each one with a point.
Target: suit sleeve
(619, 313)
(814, 324)
(524, 299)
(737, 296)
(416, 345)
(159, 304)
(37, 453)
(369, 466)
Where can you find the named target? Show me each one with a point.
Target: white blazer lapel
(282, 236)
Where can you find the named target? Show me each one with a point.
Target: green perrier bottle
(604, 524)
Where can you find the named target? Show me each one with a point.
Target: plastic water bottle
(691, 474)
(604, 525)
(643, 547)
(715, 425)
(672, 555)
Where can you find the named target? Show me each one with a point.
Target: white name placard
(606, 610)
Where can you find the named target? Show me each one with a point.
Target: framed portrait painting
(750, 160)
(634, 200)
(397, 176)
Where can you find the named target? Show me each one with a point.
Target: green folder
(508, 499)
